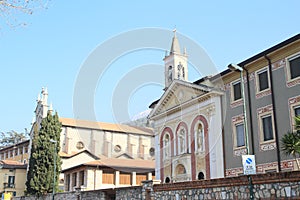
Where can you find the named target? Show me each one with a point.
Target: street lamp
(235, 67)
(54, 172)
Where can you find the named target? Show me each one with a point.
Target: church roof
(73, 154)
(119, 163)
(105, 126)
(12, 164)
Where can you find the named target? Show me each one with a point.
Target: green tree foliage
(43, 153)
(11, 138)
(290, 142)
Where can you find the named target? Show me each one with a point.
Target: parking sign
(249, 165)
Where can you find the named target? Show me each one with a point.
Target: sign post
(249, 167)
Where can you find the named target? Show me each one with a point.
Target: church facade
(203, 128)
(187, 121)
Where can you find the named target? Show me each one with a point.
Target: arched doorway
(200, 176)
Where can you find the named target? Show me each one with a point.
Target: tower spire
(175, 47)
(176, 66)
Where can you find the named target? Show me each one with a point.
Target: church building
(187, 124)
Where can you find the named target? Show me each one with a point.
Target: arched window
(200, 176)
(199, 135)
(170, 76)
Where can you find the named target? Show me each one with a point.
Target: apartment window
(68, 182)
(74, 179)
(267, 128)
(294, 67)
(263, 80)
(297, 111)
(240, 135)
(237, 94)
(81, 178)
(11, 181)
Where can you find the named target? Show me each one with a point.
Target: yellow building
(17, 152)
(108, 173)
(12, 178)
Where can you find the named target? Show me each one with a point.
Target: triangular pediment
(177, 94)
(124, 156)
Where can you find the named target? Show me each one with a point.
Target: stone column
(133, 178)
(71, 182)
(117, 178)
(149, 176)
(99, 178)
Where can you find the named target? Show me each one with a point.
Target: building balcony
(8, 185)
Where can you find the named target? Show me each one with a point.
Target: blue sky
(52, 48)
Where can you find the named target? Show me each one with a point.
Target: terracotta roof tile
(12, 164)
(105, 126)
(125, 163)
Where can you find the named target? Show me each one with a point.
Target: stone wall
(86, 195)
(271, 185)
(264, 186)
(129, 193)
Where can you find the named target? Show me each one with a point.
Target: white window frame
(242, 150)
(294, 103)
(257, 73)
(261, 129)
(232, 91)
(288, 69)
(236, 134)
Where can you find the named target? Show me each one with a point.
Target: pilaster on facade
(133, 178)
(117, 178)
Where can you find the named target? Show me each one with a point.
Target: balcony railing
(9, 185)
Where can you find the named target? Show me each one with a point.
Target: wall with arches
(190, 140)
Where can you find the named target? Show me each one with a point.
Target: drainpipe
(223, 138)
(274, 111)
(250, 112)
(95, 178)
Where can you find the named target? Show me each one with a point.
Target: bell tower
(175, 63)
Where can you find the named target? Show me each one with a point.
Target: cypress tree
(43, 153)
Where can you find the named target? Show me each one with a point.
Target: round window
(79, 145)
(117, 148)
(152, 151)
